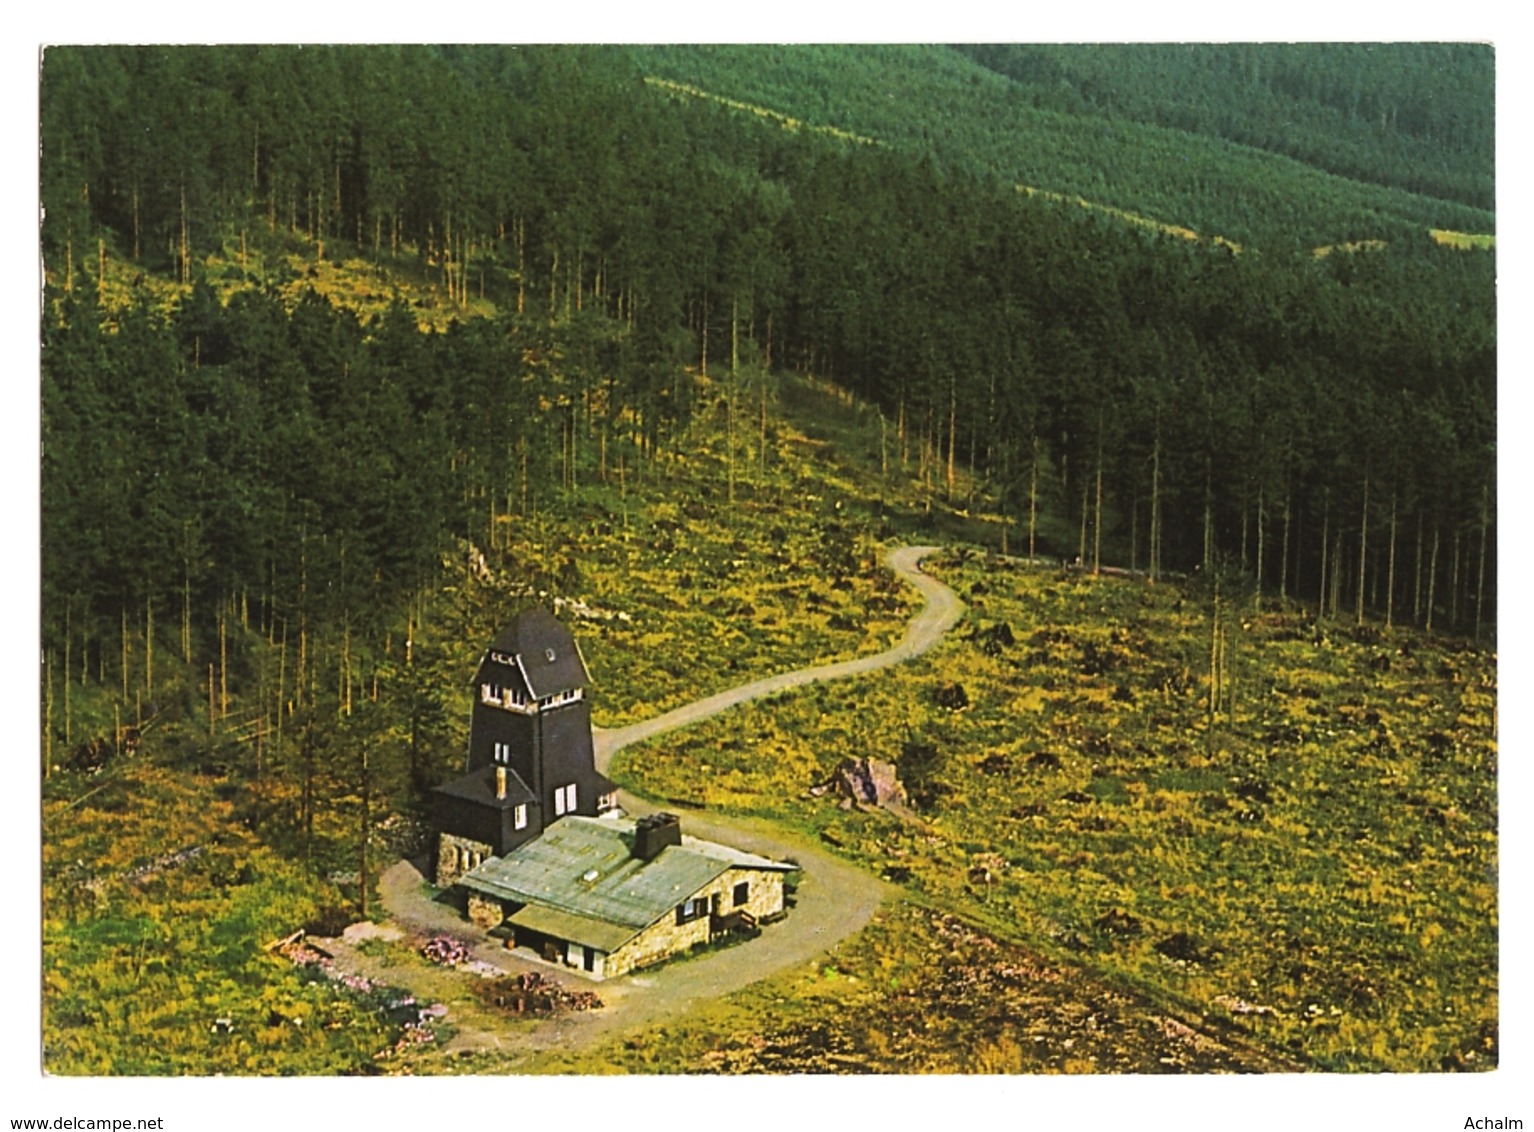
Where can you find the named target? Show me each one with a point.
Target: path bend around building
(834, 900)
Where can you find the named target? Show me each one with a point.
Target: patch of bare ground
(969, 1003)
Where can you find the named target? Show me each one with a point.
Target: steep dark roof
(479, 786)
(545, 652)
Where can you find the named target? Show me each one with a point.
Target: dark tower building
(530, 754)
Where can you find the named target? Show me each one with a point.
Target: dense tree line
(1418, 116)
(1301, 415)
(1270, 145)
(294, 474)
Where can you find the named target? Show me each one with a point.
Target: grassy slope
(932, 99)
(1318, 872)
(689, 591)
(139, 941)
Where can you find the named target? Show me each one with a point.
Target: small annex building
(532, 836)
(609, 896)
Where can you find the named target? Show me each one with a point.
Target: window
(519, 816)
(503, 752)
(742, 893)
(564, 799)
(693, 908)
(503, 695)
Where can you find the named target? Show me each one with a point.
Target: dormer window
(548, 655)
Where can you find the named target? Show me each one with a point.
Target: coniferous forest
(333, 334)
(1216, 400)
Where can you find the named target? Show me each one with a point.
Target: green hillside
(1205, 166)
(1414, 116)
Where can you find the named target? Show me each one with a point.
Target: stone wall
(456, 856)
(485, 912)
(766, 896)
(666, 937)
(657, 942)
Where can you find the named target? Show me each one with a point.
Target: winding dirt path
(834, 899)
(940, 614)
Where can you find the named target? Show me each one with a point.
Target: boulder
(868, 782)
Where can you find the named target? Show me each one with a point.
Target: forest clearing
(1301, 842)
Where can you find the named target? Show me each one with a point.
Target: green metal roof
(585, 867)
(577, 929)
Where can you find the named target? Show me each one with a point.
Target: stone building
(532, 835)
(609, 896)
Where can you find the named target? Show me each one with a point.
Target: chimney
(654, 832)
(500, 782)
